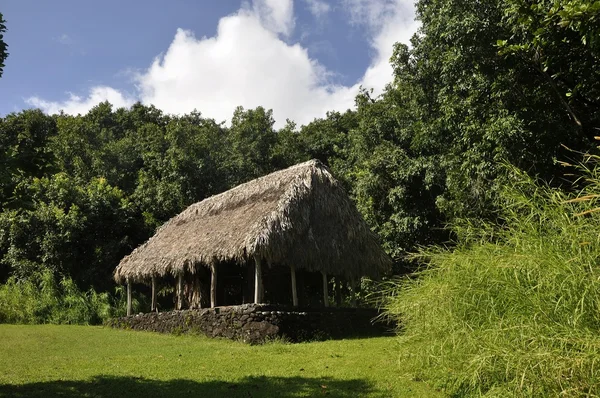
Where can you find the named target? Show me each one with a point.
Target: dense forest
(464, 152)
(484, 84)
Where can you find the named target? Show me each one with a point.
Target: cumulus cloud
(389, 22)
(276, 15)
(244, 64)
(249, 63)
(78, 105)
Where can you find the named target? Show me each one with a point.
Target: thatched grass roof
(299, 216)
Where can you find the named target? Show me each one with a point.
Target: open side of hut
(299, 218)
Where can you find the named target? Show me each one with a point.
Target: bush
(41, 299)
(513, 309)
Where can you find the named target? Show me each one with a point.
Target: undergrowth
(44, 299)
(514, 308)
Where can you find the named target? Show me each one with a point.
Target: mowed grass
(74, 361)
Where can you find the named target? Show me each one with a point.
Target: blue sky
(300, 58)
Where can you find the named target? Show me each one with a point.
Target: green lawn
(74, 361)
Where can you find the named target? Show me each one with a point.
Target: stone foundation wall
(255, 323)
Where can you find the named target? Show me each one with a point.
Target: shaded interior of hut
(235, 286)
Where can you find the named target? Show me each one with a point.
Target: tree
(251, 142)
(325, 139)
(483, 106)
(394, 179)
(71, 229)
(3, 45)
(470, 95)
(181, 164)
(561, 42)
(24, 152)
(288, 150)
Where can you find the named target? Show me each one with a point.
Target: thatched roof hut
(300, 217)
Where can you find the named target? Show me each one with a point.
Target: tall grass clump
(513, 309)
(42, 298)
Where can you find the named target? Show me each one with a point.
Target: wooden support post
(153, 306)
(196, 294)
(179, 291)
(213, 286)
(258, 284)
(354, 291)
(338, 292)
(294, 290)
(128, 298)
(325, 290)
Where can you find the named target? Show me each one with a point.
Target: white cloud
(318, 8)
(276, 15)
(389, 21)
(244, 64)
(78, 105)
(372, 13)
(390, 18)
(247, 63)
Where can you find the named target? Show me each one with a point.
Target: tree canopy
(483, 84)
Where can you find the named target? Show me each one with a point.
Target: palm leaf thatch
(300, 217)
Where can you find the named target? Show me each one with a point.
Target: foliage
(76, 230)
(80, 192)
(468, 95)
(561, 41)
(288, 150)
(513, 309)
(326, 139)
(250, 142)
(483, 82)
(394, 185)
(97, 361)
(3, 45)
(24, 152)
(182, 163)
(43, 299)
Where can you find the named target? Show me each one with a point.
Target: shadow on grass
(249, 387)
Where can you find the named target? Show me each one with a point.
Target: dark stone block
(258, 332)
(255, 323)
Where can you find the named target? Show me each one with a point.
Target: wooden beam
(179, 291)
(213, 286)
(258, 284)
(325, 290)
(294, 290)
(153, 306)
(128, 298)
